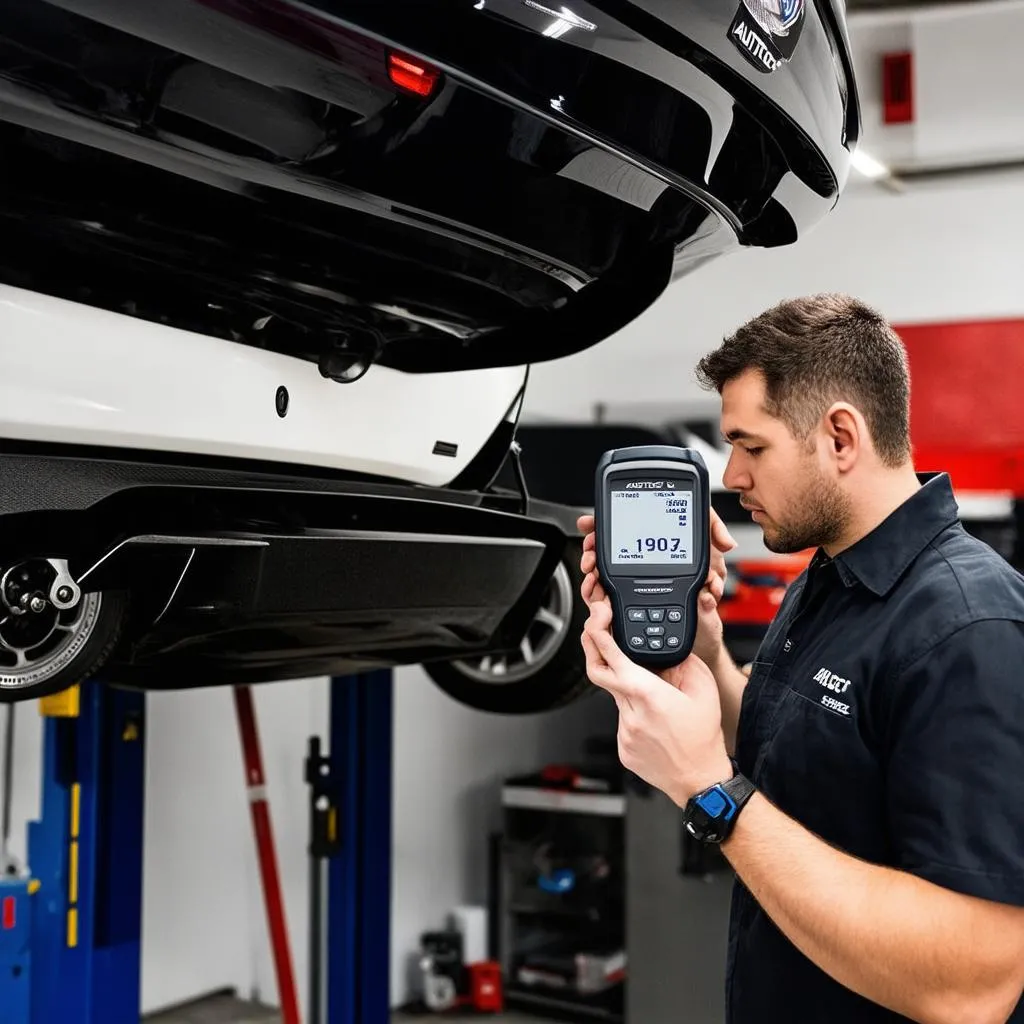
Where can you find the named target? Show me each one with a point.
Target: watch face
(708, 815)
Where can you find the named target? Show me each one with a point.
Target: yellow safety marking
(332, 825)
(34, 886)
(65, 704)
(76, 819)
(73, 873)
(130, 733)
(76, 808)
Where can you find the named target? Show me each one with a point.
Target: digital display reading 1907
(652, 527)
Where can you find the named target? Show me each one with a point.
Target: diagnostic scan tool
(653, 522)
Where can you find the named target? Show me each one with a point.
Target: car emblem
(564, 19)
(766, 32)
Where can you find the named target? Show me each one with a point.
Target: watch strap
(739, 787)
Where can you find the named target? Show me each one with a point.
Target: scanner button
(672, 641)
(636, 641)
(654, 643)
(654, 630)
(656, 614)
(675, 615)
(636, 615)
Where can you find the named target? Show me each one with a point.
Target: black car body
(430, 186)
(537, 198)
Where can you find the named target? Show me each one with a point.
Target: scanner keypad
(654, 629)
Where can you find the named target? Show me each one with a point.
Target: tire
(97, 629)
(558, 676)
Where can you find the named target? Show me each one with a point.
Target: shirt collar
(879, 559)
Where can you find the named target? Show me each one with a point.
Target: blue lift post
(359, 873)
(73, 952)
(86, 854)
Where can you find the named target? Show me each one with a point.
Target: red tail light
(412, 75)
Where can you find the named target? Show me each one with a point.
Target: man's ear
(847, 432)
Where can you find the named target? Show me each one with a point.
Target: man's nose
(735, 478)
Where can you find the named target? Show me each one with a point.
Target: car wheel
(52, 635)
(547, 671)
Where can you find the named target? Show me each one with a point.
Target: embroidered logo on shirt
(837, 684)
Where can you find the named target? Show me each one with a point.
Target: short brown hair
(817, 350)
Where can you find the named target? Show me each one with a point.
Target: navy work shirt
(885, 713)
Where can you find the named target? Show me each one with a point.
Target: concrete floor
(226, 1009)
(216, 1009)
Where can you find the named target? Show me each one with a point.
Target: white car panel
(75, 374)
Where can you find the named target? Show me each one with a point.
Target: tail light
(412, 74)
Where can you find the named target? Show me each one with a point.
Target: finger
(716, 588)
(585, 524)
(718, 564)
(598, 671)
(601, 674)
(591, 589)
(598, 625)
(721, 538)
(600, 617)
(588, 563)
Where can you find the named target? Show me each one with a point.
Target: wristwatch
(710, 816)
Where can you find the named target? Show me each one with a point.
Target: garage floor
(226, 1009)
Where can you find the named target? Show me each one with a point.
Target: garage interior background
(940, 241)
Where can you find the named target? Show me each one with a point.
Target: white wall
(934, 252)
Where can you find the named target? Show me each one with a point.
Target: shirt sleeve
(955, 780)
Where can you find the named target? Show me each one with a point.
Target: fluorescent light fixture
(868, 165)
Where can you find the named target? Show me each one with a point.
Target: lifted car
(271, 277)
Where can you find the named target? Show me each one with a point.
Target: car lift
(70, 932)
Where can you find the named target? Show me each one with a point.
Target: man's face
(785, 482)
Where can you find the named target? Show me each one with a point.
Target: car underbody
(247, 576)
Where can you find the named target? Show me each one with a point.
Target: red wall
(967, 401)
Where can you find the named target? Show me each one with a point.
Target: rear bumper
(73, 374)
(237, 575)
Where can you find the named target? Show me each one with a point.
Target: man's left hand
(670, 724)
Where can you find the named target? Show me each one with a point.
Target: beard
(820, 516)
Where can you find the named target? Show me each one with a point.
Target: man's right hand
(708, 643)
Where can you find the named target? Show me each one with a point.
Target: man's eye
(755, 451)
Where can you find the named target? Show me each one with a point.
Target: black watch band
(710, 816)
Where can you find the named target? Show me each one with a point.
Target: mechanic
(880, 857)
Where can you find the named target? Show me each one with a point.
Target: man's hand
(670, 726)
(708, 643)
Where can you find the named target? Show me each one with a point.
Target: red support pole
(264, 835)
